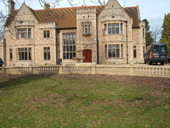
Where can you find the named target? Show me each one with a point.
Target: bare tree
(2, 21)
(156, 33)
(53, 3)
(73, 3)
(4, 13)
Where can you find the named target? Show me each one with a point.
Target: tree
(149, 39)
(166, 31)
(156, 33)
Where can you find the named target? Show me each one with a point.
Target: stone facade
(105, 34)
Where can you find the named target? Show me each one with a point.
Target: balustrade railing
(90, 69)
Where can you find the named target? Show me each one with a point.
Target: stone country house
(105, 34)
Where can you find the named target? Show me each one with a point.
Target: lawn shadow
(8, 80)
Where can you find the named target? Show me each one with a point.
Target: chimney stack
(11, 6)
(47, 5)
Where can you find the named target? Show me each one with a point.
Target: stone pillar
(3, 70)
(93, 70)
(60, 70)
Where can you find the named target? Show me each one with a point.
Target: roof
(134, 13)
(66, 17)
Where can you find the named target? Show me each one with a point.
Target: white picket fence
(90, 69)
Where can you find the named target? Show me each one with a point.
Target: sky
(152, 10)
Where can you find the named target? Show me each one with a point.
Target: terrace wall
(90, 69)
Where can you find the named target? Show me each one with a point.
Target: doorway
(87, 54)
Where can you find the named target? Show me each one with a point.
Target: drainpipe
(57, 45)
(33, 46)
(127, 41)
(97, 39)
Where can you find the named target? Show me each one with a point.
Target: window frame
(113, 29)
(134, 52)
(87, 29)
(143, 51)
(46, 34)
(24, 33)
(114, 51)
(10, 55)
(24, 54)
(143, 31)
(69, 45)
(47, 54)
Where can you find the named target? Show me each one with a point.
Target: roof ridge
(71, 7)
(131, 7)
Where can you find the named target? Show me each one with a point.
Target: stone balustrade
(90, 69)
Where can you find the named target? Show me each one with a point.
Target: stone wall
(87, 41)
(37, 42)
(112, 13)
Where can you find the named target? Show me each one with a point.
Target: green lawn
(80, 101)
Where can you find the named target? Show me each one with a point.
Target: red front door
(87, 54)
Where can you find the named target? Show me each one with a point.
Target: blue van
(156, 53)
(1, 62)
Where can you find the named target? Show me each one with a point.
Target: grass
(80, 101)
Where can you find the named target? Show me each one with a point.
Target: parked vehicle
(156, 53)
(1, 62)
(169, 59)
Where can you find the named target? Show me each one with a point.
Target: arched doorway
(87, 54)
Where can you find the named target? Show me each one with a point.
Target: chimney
(47, 5)
(11, 6)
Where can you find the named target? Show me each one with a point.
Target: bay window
(24, 54)
(113, 28)
(114, 51)
(23, 33)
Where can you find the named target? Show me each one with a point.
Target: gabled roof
(66, 17)
(134, 13)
